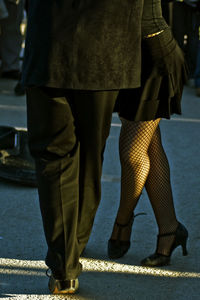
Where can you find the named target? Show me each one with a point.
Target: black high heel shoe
(157, 259)
(117, 247)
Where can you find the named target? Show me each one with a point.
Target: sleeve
(152, 19)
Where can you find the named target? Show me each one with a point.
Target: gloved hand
(167, 56)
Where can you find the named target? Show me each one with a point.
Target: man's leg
(185, 31)
(193, 38)
(55, 148)
(197, 72)
(179, 22)
(93, 113)
(55, 133)
(11, 37)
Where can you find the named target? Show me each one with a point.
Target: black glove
(166, 55)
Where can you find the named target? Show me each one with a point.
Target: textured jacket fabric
(86, 44)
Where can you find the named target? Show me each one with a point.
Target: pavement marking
(13, 107)
(189, 120)
(24, 272)
(6, 92)
(32, 268)
(23, 108)
(110, 178)
(183, 120)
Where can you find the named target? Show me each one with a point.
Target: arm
(152, 19)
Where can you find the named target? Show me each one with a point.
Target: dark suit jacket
(84, 44)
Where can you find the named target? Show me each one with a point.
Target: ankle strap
(131, 219)
(167, 234)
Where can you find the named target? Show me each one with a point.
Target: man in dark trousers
(79, 55)
(185, 27)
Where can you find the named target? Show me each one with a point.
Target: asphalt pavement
(22, 243)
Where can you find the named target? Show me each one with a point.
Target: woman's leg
(159, 190)
(135, 138)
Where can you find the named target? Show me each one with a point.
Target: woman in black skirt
(143, 159)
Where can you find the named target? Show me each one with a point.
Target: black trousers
(67, 135)
(186, 22)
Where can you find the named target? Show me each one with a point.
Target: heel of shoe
(158, 259)
(184, 247)
(182, 237)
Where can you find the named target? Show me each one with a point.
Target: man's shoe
(57, 287)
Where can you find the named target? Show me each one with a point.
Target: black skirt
(161, 88)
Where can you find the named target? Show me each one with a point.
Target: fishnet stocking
(144, 163)
(134, 141)
(159, 190)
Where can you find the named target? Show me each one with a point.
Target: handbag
(16, 162)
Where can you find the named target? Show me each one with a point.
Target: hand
(166, 55)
